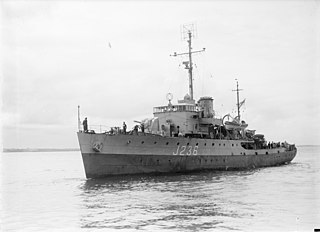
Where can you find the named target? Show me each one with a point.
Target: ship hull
(136, 154)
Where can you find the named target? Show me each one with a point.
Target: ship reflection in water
(189, 202)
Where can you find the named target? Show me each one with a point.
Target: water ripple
(53, 193)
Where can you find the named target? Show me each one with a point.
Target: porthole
(167, 143)
(196, 144)
(205, 144)
(142, 142)
(224, 144)
(244, 153)
(212, 144)
(155, 142)
(256, 153)
(267, 153)
(178, 144)
(219, 144)
(187, 144)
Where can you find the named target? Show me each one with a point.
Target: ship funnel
(206, 106)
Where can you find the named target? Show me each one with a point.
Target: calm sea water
(49, 192)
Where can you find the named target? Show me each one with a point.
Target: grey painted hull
(135, 154)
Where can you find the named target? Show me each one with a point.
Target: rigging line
(202, 75)
(202, 78)
(175, 75)
(198, 77)
(178, 72)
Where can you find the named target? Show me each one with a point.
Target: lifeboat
(233, 124)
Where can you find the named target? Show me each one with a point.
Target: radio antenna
(187, 33)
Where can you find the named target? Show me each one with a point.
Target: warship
(180, 138)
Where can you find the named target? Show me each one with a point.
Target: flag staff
(79, 123)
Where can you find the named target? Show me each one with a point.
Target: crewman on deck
(124, 128)
(135, 129)
(85, 125)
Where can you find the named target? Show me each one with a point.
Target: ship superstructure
(181, 137)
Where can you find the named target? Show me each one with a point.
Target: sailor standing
(135, 129)
(85, 125)
(124, 128)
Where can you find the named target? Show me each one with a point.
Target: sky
(113, 59)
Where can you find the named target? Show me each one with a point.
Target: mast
(189, 31)
(190, 67)
(238, 104)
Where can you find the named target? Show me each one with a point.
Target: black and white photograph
(160, 115)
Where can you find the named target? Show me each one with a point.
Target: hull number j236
(186, 150)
